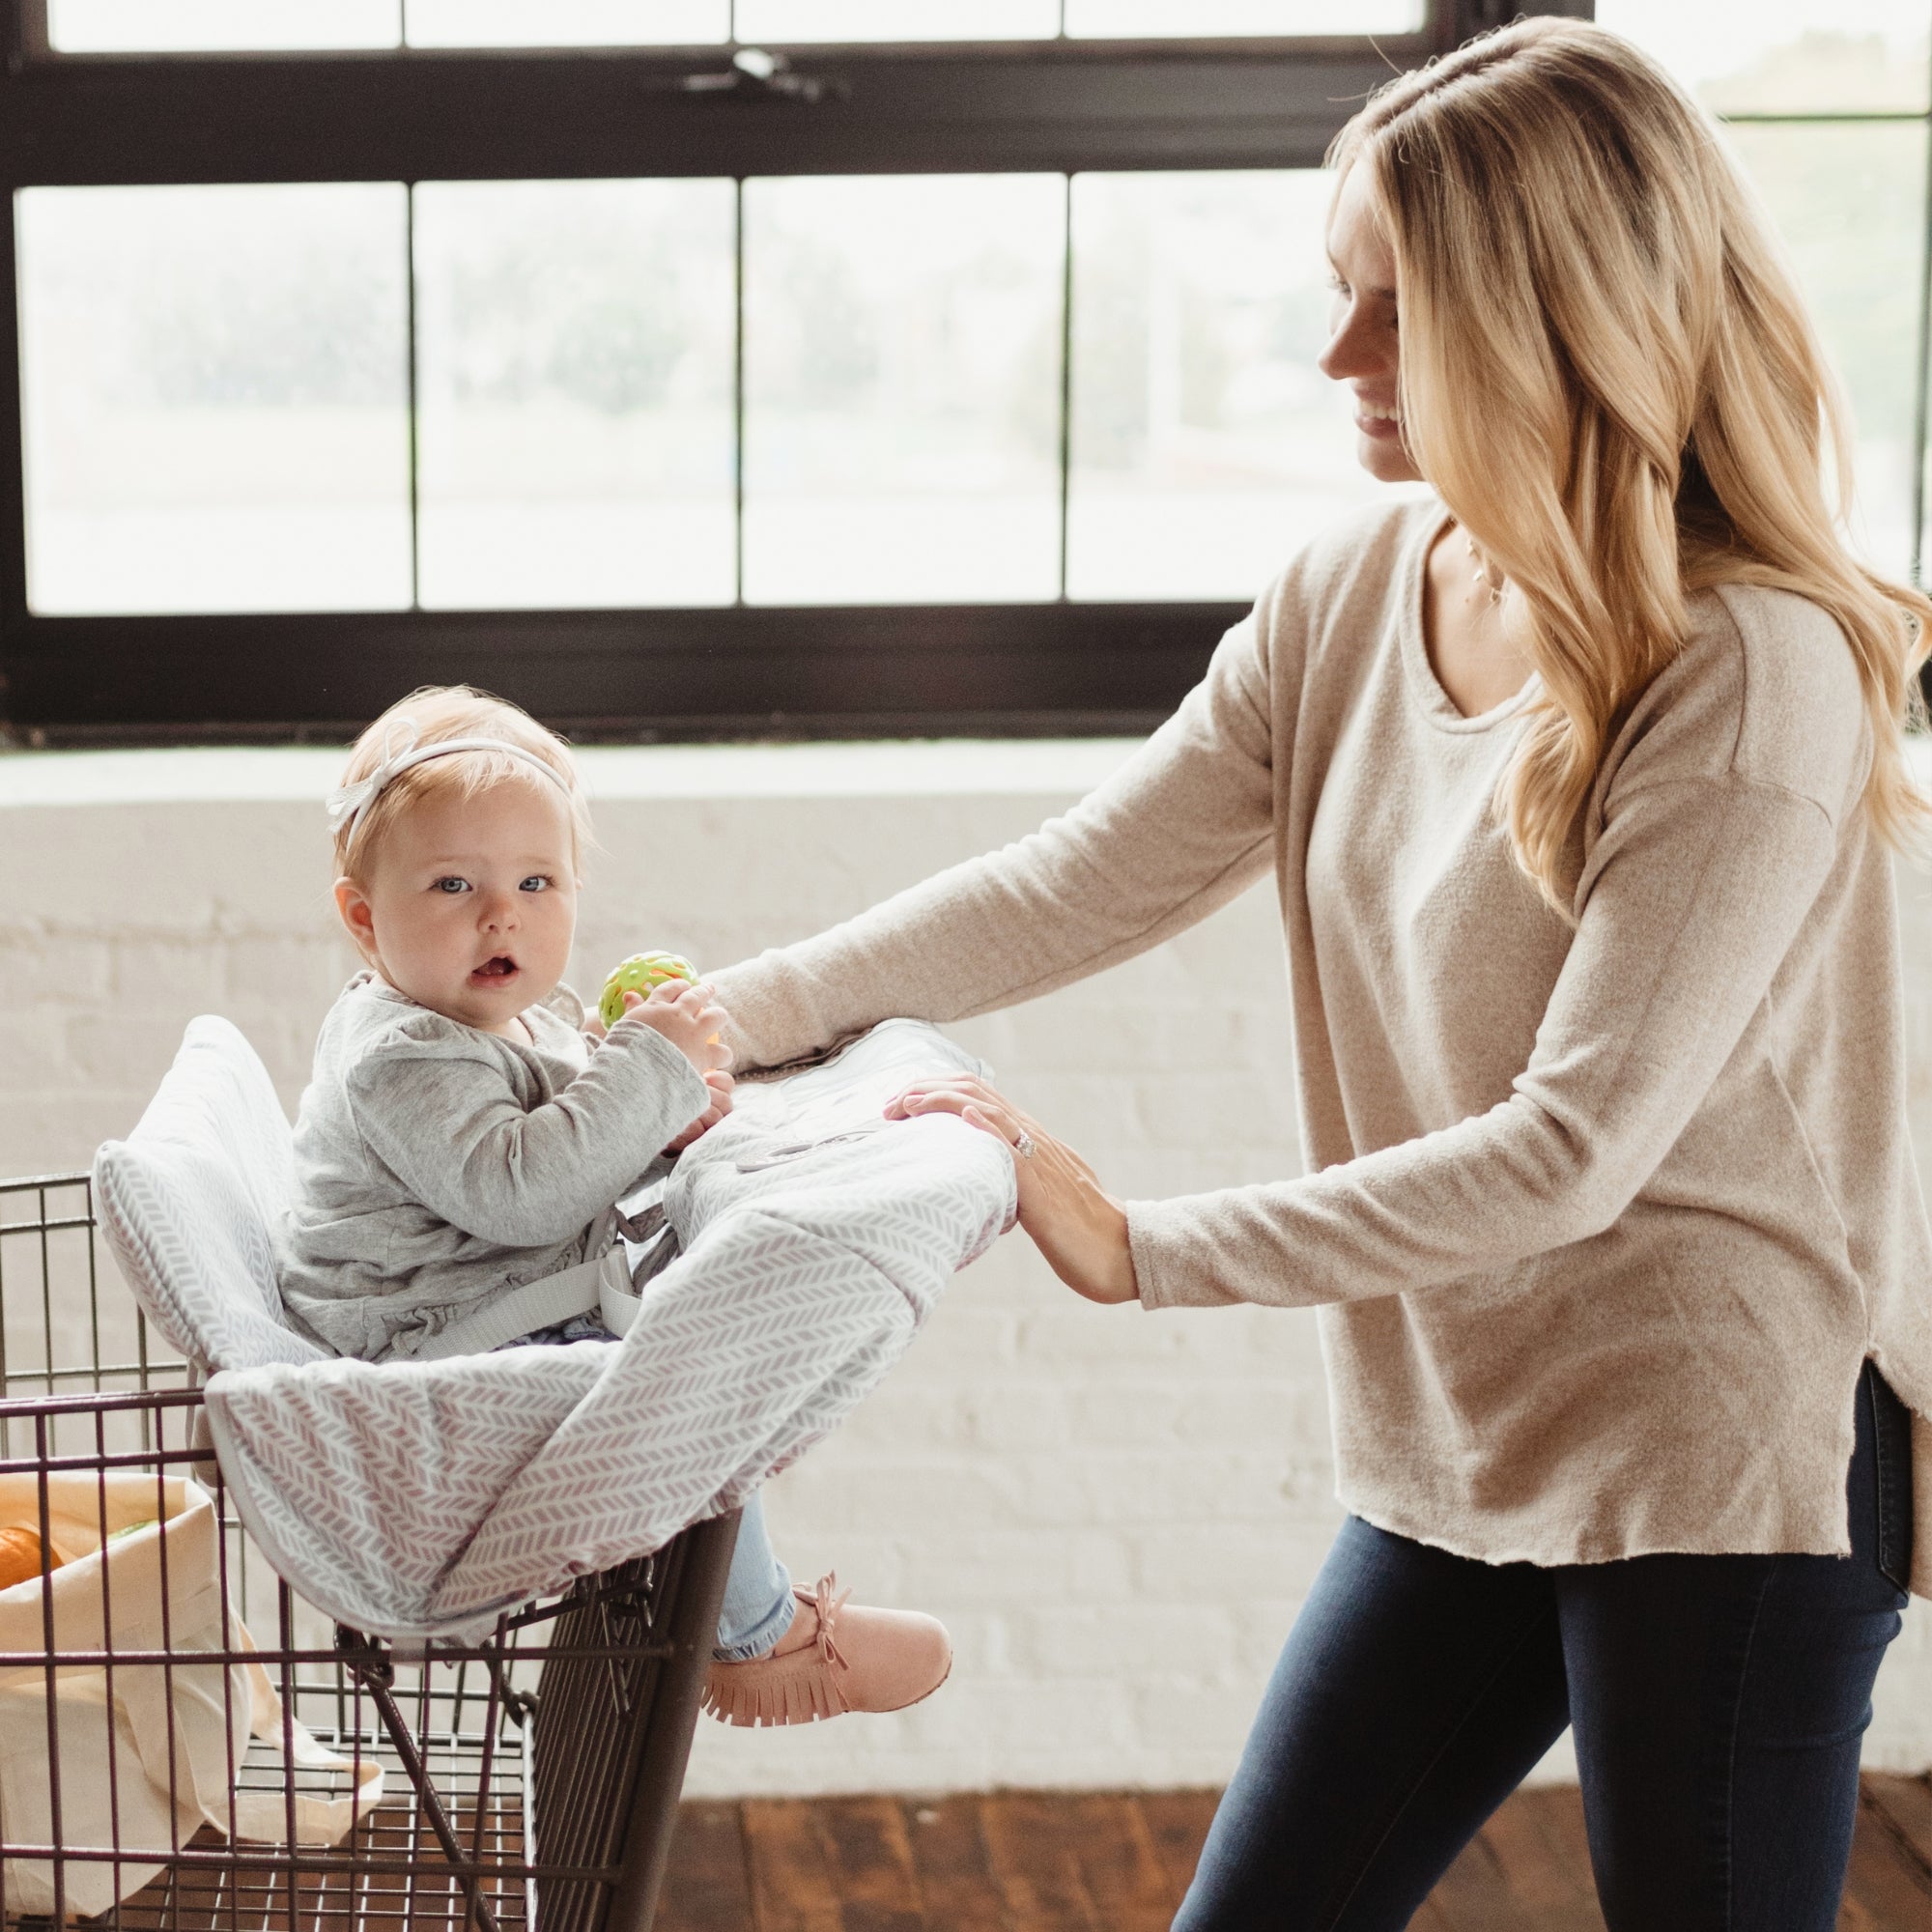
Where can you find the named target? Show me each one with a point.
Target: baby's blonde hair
(437, 712)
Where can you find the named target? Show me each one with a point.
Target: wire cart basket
(528, 1780)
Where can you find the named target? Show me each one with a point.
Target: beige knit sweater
(1600, 1221)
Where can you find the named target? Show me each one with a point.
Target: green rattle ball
(639, 974)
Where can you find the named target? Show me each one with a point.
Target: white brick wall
(1116, 1513)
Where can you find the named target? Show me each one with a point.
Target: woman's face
(1363, 351)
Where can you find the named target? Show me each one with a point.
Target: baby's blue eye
(451, 885)
(535, 883)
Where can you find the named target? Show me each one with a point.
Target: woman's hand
(1074, 1222)
(720, 1085)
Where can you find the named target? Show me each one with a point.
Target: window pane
(1207, 445)
(215, 398)
(565, 23)
(573, 389)
(1201, 20)
(783, 20)
(209, 26)
(1850, 204)
(903, 373)
(1786, 56)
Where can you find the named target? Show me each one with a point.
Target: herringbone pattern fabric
(421, 1499)
(188, 1200)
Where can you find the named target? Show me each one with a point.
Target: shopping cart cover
(421, 1499)
(188, 1200)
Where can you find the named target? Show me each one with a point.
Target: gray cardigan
(437, 1165)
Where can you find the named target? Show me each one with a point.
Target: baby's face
(471, 904)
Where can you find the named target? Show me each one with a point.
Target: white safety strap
(537, 1304)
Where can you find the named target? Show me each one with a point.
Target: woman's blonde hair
(429, 715)
(1609, 378)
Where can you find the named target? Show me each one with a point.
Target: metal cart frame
(531, 1775)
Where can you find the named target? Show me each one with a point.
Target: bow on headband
(347, 803)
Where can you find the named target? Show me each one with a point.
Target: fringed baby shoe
(852, 1660)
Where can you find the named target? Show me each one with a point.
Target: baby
(462, 1142)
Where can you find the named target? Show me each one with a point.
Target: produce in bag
(151, 1734)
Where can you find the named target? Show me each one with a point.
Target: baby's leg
(787, 1656)
(758, 1603)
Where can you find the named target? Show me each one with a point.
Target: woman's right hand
(1074, 1222)
(685, 1016)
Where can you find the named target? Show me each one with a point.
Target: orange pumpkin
(20, 1557)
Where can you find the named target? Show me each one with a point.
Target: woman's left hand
(719, 1084)
(1074, 1222)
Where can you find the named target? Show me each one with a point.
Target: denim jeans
(758, 1602)
(1718, 1704)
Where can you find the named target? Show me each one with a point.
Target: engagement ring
(1024, 1145)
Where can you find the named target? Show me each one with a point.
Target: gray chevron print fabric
(421, 1499)
(187, 1203)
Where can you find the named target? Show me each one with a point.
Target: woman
(1577, 785)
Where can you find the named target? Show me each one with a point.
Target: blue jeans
(758, 1602)
(1717, 1704)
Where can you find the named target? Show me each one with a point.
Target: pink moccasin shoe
(855, 1660)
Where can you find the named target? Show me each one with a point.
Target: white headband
(347, 804)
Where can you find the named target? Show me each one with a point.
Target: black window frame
(1066, 667)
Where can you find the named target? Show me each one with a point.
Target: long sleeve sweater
(1604, 1214)
(438, 1165)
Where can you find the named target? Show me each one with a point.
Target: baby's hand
(721, 1084)
(685, 1016)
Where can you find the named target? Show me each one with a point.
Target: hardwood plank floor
(1119, 1862)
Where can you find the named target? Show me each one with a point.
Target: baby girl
(463, 1141)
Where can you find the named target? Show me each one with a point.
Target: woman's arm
(1075, 1223)
(1707, 863)
(1655, 996)
(1180, 829)
(445, 1124)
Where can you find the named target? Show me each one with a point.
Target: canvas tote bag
(129, 1737)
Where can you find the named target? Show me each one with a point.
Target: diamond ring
(1024, 1144)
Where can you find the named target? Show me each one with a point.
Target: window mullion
(1066, 376)
(12, 438)
(738, 390)
(1921, 373)
(441, 116)
(412, 376)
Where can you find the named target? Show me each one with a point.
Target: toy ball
(639, 974)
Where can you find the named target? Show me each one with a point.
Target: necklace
(1486, 577)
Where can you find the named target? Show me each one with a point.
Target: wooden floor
(1110, 1861)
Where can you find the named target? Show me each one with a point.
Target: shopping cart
(530, 1778)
